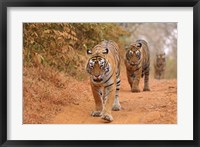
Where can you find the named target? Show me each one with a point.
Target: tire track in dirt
(158, 106)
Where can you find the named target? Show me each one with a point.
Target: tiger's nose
(97, 76)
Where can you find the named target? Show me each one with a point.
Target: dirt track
(159, 106)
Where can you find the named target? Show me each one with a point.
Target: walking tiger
(103, 67)
(137, 62)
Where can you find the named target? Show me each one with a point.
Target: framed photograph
(86, 73)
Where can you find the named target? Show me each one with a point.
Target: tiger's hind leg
(116, 105)
(146, 80)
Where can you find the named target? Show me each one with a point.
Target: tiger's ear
(126, 47)
(106, 51)
(139, 45)
(89, 52)
(162, 55)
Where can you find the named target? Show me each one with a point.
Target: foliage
(171, 70)
(63, 45)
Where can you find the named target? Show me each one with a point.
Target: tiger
(103, 67)
(159, 66)
(137, 63)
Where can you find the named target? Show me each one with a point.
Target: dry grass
(46, 92)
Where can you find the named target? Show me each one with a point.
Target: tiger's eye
(130, 53)
(91, 63)
(137, 53)
(101, 62)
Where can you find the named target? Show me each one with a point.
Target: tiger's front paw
(116, 107)
(96, 114)
(107, 117)
(135, 90)
(146, 89)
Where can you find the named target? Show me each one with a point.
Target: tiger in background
(159, 66)
(137, 62)
(103, 67)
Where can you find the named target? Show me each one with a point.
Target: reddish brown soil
(71, 102)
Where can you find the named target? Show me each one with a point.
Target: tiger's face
(98, 65)
(160, 60)
(133, 54)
